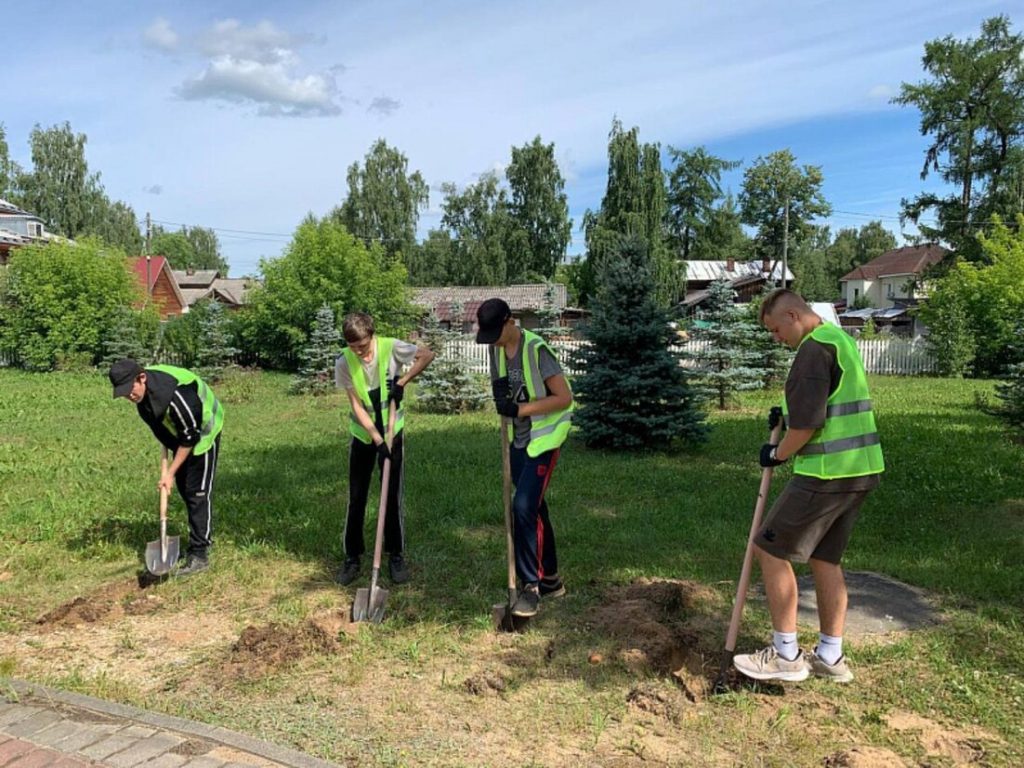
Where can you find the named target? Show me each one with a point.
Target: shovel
(721, 684)
(369, 603)
(162, 554)
(501, 613)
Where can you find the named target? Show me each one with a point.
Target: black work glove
(507, 407)
(383, 451)
(774, 417)
(395, 391)
(768, 456)
(501, 389)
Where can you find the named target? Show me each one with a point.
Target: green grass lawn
(78, 503)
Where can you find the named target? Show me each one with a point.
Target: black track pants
(361, 460)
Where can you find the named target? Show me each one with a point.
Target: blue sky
(244, 116)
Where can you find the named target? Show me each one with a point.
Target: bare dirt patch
(107, 604)
(962, 745)
(865, 757)
(652, 622)
(657, 700)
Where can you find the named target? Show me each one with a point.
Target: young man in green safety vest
(837, 459)
(369, 370)
(186, 417)
(530, 389)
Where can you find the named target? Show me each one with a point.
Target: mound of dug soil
(106, 604)
(658, 700)
(275, 645)
(650, 620)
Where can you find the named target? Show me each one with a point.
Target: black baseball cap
(490, 319)
(123, 374)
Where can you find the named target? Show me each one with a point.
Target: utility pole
(785, 244)
(149, 279)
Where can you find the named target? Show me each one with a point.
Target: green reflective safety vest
(547, 431)
(213, 411)
(355, 370)
(848, 444)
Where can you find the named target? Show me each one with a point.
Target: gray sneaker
(837, 673)
(767, 664)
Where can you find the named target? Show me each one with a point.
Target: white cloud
(384, 106)
(269, 86)
(160, 35)
(257, 65)
(263, 43)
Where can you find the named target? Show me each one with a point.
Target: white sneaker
(767, 664)
(837, 673)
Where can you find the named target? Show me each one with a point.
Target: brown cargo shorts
(804, 523)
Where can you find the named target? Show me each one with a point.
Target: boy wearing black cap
(530, 389)
(186, 417)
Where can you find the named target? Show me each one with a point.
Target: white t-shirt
(402, 353)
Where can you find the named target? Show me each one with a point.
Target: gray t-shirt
(517, 384)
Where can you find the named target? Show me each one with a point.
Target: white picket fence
(893, 356)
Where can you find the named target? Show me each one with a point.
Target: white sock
(830, 649)
(785, 643)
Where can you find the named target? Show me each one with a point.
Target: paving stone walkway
(45, 728)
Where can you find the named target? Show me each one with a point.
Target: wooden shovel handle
(163, 490)
(385, 481)
(748, 557)
(506, 494)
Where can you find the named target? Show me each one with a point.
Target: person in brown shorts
(831, 434)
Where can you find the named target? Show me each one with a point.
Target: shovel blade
(159, 560)
(369, 605)
(505, 621)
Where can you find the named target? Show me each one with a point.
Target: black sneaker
(349, 571)
(551, 587)
(398, 569)
(193, 564)
(527, 602)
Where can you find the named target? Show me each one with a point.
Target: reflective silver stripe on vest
(206, 392)
(547, 429)
(838, 446)
(533, 371)
(846, 409)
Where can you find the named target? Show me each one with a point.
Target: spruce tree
(448, 385)
(316, 366)
(634, 393)
(124, 340)
(548, 316)
(215, 350)
(727, 364)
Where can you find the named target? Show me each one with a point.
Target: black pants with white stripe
(361, 460)
(195, 484)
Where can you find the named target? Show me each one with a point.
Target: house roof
(157, 265)
(908, 260)
(229, 290)
(8, 208)
(709, 270)
(527, 296)
(198, 278)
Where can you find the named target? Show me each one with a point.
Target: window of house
(890, 291)
(856, 293)
(35, 229)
